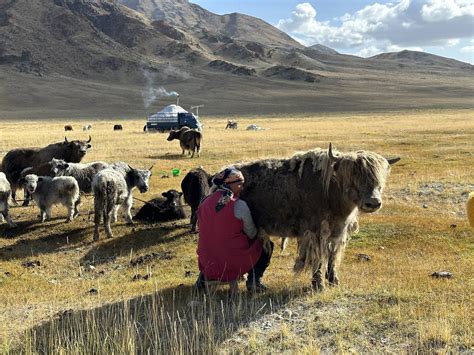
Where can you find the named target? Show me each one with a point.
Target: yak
(16, 160)
(189, 139)
(195, 186)
(162, 209)
(316, 197)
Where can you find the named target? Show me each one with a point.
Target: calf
(195, 187)
(189, 139)
(48, 191)
(162, 209)
(45, 169)
(118, 127)
(5, 192)
(68, 127)
(112, 188)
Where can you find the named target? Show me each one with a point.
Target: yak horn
(90, 138)
(65, 140)
(151, 167)
(393, 160)
(332, 158)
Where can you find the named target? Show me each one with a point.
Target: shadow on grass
(168, 156)
(138, 240)
(172, 320)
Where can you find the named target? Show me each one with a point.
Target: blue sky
(366, 28)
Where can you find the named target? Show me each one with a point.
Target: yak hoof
(317, 286)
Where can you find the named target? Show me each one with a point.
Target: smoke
(150, 93)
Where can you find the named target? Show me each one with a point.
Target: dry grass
(389, 304)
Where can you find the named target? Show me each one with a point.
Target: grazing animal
(231, 124)
(189, 139)
(470, 208)
(83, 173)
(162, 209)
(112, 188)
(68, 127)
(118, 127)
(195, 187)
(16, 160)
(47, 191)
(5, 192)
(315, 196)
(87, 127)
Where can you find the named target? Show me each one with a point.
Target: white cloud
(467, 49)
(441, 10)
(403, 24)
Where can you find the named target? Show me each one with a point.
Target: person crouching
(227, 247)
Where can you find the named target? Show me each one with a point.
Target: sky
(367, 27)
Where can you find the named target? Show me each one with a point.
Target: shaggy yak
(16, 160)
(162, 209)
(315, 196)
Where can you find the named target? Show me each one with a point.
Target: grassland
(390, 304)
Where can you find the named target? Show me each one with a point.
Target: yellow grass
(390, 304)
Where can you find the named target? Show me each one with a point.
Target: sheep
(83, 173)
(5, 192)
(112, 188)
(162, 209)
(48, 191)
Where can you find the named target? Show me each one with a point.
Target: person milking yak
(227, 246)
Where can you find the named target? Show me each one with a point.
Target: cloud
(467, 49)
(441, 10)
(404, 24)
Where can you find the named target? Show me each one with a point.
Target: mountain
(188, 16)
(103, 58)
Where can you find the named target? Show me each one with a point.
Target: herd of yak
(314, 196)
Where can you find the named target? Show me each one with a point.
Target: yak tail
(109, 197)
(197, 141)
(313, 250)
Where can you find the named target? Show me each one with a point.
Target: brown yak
(16, 160)
(315, 196)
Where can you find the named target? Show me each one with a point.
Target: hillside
(98, 58)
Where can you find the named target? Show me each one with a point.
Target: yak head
(173, 198)
(31, 182)
(140, 178)
(78, 149)
(58, 166)
(361, 176)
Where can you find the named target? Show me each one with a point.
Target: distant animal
(231, 124)
(5, 192)
(112, 188)
(189, 140)
(162, 209)
(470, 208)
(83, 173)
(195, 187)
(315, 196)
(87, 127)
(118, 127)
(47, 191)
(16, 160)
(254, 127)
(68, 127)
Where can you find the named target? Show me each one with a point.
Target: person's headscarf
(221, 182)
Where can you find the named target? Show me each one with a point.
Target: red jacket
(224, 251)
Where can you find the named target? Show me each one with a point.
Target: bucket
(175, 171)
